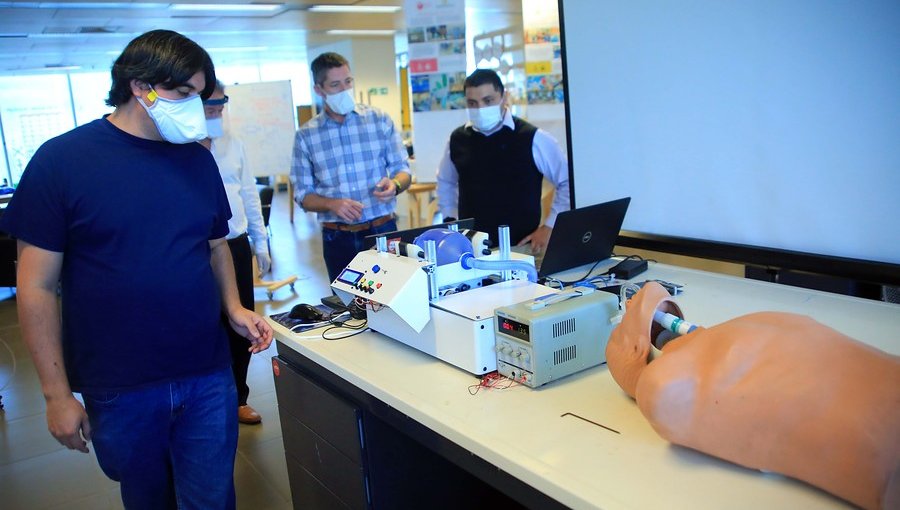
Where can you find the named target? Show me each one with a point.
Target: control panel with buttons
(389, 280)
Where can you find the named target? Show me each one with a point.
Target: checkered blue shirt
(346, 160)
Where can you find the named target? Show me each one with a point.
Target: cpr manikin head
(486, 100)
(334, 84)
(770, 391)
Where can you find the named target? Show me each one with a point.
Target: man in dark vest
(494, 166)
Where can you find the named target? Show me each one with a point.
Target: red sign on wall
(425, 65)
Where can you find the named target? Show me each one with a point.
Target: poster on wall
(437, 53)
(543, 54)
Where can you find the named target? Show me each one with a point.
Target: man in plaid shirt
(349, 165)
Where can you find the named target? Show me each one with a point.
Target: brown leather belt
(356, 227)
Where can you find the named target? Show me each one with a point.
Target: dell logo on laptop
(586, 237)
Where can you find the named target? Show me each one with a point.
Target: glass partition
(33, 109)
(89, 92)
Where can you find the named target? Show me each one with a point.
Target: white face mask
(341, 103)
(214, 127)
(178, 120)
(487, 118)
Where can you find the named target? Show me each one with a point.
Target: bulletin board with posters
(543, 53)
(261, 115)
(437, 54)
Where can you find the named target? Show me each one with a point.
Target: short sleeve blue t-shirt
(133, 219)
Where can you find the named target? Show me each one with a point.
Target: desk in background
(353, 398)
(421, 194)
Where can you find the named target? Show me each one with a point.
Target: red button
(377, 285)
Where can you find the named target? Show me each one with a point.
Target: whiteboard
(756, 122)
(261, 115)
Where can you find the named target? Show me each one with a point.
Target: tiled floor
(37, 473)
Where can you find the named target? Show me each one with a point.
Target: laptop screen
(584, 236)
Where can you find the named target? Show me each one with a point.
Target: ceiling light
(237, 49)
(84, 35)
(360, 32)
(356, 8)
(227, 7)
(51, 67)
(83, 5)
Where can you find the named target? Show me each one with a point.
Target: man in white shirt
(246, 224)
(494, 166)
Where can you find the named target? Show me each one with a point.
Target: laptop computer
(583, 236)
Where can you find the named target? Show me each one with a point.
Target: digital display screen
(349, 276)
(513, 328)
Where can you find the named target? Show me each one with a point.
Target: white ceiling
(90, 34)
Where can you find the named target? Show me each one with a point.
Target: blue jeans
(339, 247)
(171, 445)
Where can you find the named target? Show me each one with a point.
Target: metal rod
(431, 257)
(503, 232)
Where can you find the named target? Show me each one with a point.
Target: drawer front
(331, 417)
(324, 462)
(308, 493)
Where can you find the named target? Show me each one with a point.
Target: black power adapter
(628, 269)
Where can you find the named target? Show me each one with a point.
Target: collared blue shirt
(346, 159)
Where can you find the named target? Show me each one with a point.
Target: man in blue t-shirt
(127, 216)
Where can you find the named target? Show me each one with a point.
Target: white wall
(763, 122)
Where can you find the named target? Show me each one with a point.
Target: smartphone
(334, 303)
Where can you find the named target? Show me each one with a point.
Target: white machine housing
(456, 325)
(461, 330)
(390, 280)
(549, 338)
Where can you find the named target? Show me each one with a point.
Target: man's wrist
(398, 188)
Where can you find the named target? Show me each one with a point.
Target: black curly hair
(160, 57)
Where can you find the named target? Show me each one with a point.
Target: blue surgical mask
(487, 118)
(177, 120)
(214, 127)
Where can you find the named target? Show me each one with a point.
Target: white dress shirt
(550, 160)
(243, 195)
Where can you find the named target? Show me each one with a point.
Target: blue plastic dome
(449, 245)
